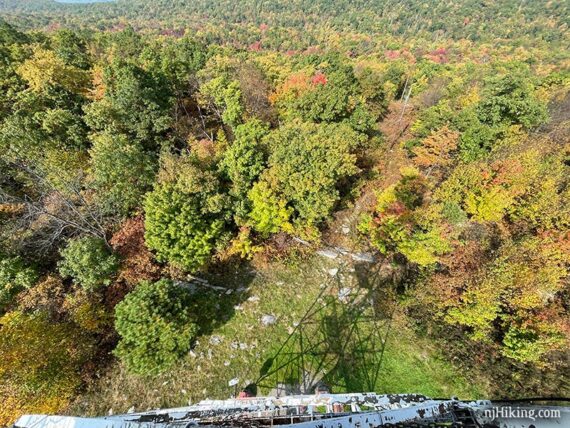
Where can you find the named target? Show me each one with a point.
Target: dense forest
(144, 144)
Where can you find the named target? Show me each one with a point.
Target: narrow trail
(392, 157)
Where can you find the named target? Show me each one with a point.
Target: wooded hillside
(143, 144)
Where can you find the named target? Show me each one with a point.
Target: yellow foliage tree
(45, 70)
(520, 293)
(437, 148)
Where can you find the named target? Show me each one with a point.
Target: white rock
(363, 257)
(333, 272)
(215, 340)
(233, 382)
(300, 241)
(131, 410)
(345, 230)
(344, 294)
(268, 319)
(330, 254)
(253, 299)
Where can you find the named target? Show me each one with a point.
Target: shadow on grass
(227, 287)
(340, 341)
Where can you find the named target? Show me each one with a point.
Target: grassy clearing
(411, 364)
(238, 344)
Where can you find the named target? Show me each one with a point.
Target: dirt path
(391, 158)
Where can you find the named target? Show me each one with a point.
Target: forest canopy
(144, 144)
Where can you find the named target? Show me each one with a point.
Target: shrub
(519, 300)
(47, 296)
(88, 312)
(436, 149)
(402, 225)
(269, 213)
(15, 276)
(178, 229)
(88, 262)
(137, 262)
(526, 345)
(155, 323)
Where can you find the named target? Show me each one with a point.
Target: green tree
(71, 48)
(244, 161)
(11, 85)
(126, 44)
(9, 35)
(187, 212)
(510, 99)
(136, 103)
(223, 96)
(477, 138)
(269, 213)
(329, 99)
(121, 172)
(88, 262)
(15, 276)
(308, 163)
(372, 89)
(156, 325)
(327, 92)
(177, 59)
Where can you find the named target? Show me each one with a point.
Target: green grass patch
(238, 343)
